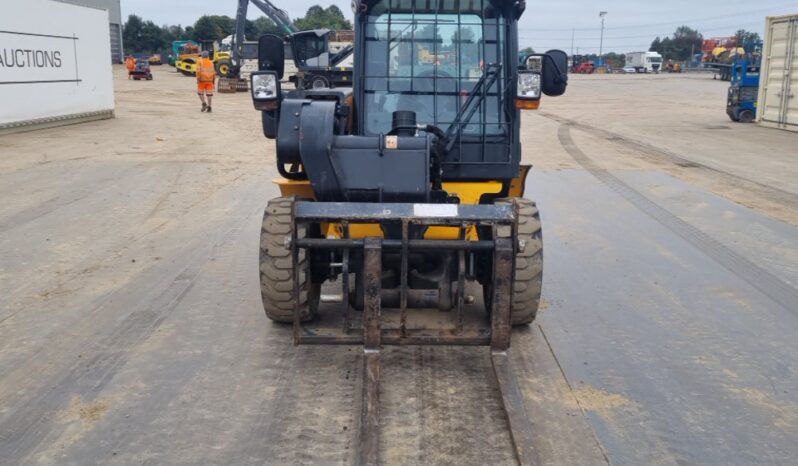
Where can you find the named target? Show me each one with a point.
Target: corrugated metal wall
(115, 19)
(116, 43)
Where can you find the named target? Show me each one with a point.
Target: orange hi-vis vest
(205, 70)
(131, 63)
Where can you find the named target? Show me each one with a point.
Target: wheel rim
(224, 69)
(319, 84)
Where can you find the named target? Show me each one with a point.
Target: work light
(265, 89)
(528, 85)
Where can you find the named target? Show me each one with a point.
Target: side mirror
(271, 55)
(554, 77)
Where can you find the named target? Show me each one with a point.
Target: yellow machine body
(469, 192)
(187, 63)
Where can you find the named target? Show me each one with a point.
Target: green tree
(656, 45)
(143, 36)
(684, 42)
(152, 39)
(173, 33)
(615, 60)
(747, 39)
(320, 18)
(250, 31)
(213, 27)
(264, 25)
(131, 33)
(526, 51)
(680, 46)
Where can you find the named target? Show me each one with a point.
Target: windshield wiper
(446, 140)
(471, 105)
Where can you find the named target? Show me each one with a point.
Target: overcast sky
(629, 25)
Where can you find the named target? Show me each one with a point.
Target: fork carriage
(368, 328)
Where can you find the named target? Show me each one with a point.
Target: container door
(778, 105)
(790, 96)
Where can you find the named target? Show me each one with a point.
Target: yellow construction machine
(402, 191)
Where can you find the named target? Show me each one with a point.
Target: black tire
(224, 68)
(318, 82)
(276, 271)
(746, 116)
(528, 277)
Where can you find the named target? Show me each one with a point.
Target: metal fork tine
(461, 280)
(345, 277)
(370, 416)
(403, 289)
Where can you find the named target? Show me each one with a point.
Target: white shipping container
(778, 83)
(54, 64)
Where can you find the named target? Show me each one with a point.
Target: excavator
(402, 193)
(320, 59)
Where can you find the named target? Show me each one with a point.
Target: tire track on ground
(785, 198)
(51, 205)
(29, 422)
(462, 420)
(203, 379)
(34, 289)
(767, 283)
(400, 405)
(313, 417)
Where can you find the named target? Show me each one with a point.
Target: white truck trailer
(644, 62)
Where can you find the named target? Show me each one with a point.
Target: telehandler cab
(400, 190)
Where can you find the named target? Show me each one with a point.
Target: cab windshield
(427, 56)
(250, 51)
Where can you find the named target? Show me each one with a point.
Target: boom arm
(280, 18)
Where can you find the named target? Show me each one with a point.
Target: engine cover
(382, 168)
(352, 168)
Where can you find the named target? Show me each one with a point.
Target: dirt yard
(131, 329)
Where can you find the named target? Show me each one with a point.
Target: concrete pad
(676, 360)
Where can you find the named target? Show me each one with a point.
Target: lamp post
(602, 14)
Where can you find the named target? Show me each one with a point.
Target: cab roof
(515, 7)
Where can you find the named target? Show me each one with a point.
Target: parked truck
(644, 62)
(580, 64)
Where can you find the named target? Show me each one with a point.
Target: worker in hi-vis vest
(130, 64)
(206, 75)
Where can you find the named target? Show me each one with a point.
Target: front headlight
(264, 86)
(528, 85)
